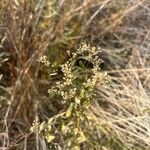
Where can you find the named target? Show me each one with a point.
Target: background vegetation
(74, 75)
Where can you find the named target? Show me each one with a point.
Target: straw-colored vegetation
(74, 75)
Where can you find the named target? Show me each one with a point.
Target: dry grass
(120, 28)
(123, 107)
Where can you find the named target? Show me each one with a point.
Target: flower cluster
(44, 60)
(78, 84)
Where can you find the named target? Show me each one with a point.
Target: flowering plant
(76, 90)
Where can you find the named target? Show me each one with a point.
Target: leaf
(75, 148)
(49, 138)
(81, 64)
(81, 138)
(82, 93)
(64, 128)
(77, 100)
(69, 110)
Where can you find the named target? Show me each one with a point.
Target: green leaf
(49, 138)
(75, 148)
(64, 128)
(69, 110)
(81, 138)
(81, 64)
